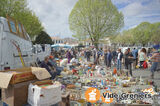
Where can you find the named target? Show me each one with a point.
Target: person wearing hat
(155, 59)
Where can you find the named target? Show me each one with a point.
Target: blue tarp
(64, 46)
(67, 46)
(55, 46)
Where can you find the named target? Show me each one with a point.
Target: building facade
(57, 40)
(68, 41)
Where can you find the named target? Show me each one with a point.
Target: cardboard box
(15, 83)
(21, 75)
(44, 93)
(16, 95)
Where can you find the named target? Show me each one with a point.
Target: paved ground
(146, 75)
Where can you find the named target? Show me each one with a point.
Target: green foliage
(11, 7)
(124, 38)
(43, 38)
(142, 34)
(128, 37)
(155, 30)
(95, 19)
(18, 10)
(80, 44)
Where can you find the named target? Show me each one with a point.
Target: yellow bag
(137, 66)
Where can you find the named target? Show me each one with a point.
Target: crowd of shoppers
(128, 59)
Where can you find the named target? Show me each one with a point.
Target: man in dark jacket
(109, 58)
(105, 58)
(45, 64)
(88, 55)
(119, 60)
(114, 54)
(128, 60)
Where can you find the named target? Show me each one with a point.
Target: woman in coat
(68, 55)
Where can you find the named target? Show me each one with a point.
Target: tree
(155, 30)
(18, 10)
(30, 21)
(142, 33)
(43, 38)
(95, 19)
(123, 38)
(120, 39)
(10, 7)
(128, 37)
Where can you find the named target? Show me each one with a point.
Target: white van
(15, 45)
(16, 49)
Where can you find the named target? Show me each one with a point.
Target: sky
(54, 13)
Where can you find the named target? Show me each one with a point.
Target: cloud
(54, 15)
(139, 11)
(138, 8)
(116, 2)
(132, 9)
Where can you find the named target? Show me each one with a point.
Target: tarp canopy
(67, 46)
(61, 45)
(54, 46)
